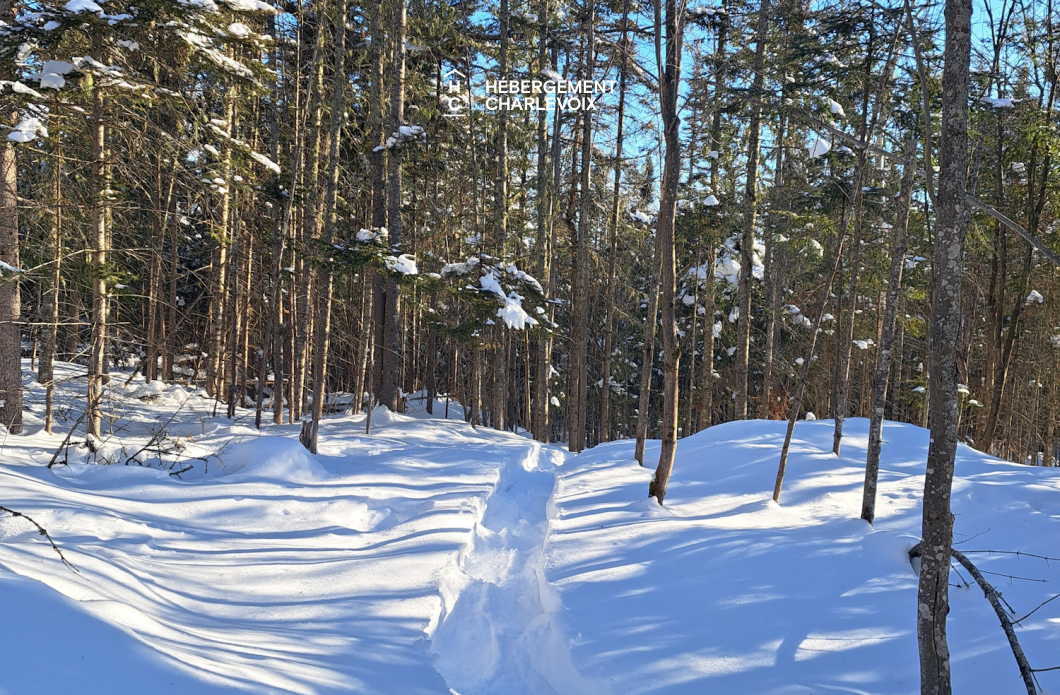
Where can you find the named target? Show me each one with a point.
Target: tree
(948, 269)
(669, 86)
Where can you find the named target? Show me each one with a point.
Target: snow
(640, 216)
(384, 564)
(819, 148)
(29, 128)
(79, 6)
(404, 134)
(20, 88)
(513, 314)
(998, 103)
(404, 264)
(725, 591)
(711, 201)
(239, 30)
(1034, 297)
(265, 162)
(836, 108)
(250, 6)
(435, 558)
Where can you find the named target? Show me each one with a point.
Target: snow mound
(276, 458)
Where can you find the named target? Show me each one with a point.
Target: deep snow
(725, 591)
(431, 557)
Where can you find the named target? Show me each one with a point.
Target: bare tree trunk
(886, 339)
(47, 361)
(376, 106)
(669, 86)
(750, 203)
(235, 315)
(773, 283)
(706, 387)
(500, 221)
(947, 270)
(98, 237)
(546, 177)
(10, 299)
(612, 254)
(576, 405)
(648, 358)
(392, 353)
(325, 283)
(845, 339)
(219, 303)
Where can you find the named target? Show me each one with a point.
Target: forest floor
(430, 557)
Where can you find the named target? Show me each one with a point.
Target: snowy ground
(433, 558)
(724, 591)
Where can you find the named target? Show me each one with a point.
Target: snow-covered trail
(408, 561)
(502, 636)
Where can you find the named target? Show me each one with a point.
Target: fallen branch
(44, 533)
(1026, 672)
(66, 442)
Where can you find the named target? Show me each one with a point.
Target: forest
(581, 221)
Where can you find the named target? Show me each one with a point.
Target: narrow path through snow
(501, 635)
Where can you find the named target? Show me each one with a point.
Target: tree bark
(98, 239)
(886, 339)
(612, 253)
(325, 279)
(392, 354)
(947, 270)
(750, 203)
(576, 405)
(669, 86)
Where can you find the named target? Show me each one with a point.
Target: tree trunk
(392, 354)
(706, 387)
(576, 405)
(325, 278)
(947, 270)
(886, 339)
(648, 357)
(10, 300)
(500, 222)
(845, 339)
(98, 238)
(750, 204)
(612, 253)
(669, 86)
(47, 362)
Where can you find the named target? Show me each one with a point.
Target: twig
(1017, 622)
(158, 436)
(1012, 576)
(972, 538)
(182, 470)
(44, 533)
(1017, 553)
